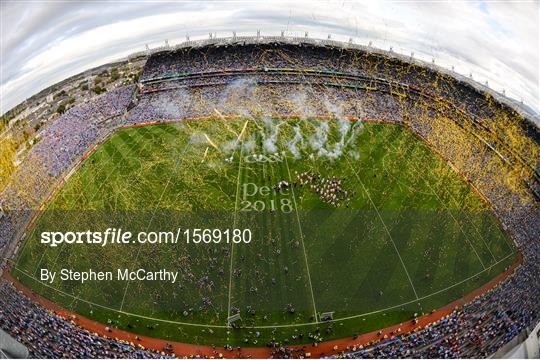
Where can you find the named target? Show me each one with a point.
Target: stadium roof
(10, 348)
(496, 41)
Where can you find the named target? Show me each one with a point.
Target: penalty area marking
(234, 226)
(153, 214)
(80, 195)
(263, 326)
(456, 221)
(458, 224)
(303, 246)
(385, 227)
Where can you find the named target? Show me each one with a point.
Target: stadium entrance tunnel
(262, 231)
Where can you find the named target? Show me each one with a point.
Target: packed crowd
(50, 336)
(478, 329)
(261, 75)
(489, 116)
(285, 56)
(330, 191)
(60, 145)
(252, 98)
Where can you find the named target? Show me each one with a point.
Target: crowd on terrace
(478, 329)
(244, 97)
(50, 336)
(59, 146)
(307, 59)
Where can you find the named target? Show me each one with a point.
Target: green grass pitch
(413, 236)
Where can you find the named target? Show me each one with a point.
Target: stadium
(292, 197)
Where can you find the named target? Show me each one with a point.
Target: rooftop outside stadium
(287, 197)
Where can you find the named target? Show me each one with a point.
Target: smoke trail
(322, 147)
(356, 129)
(237, 89)
(173, 106)
(249, 145)
(292, 145)
(197, 138)
(318, 140)
(269, 140)
(302, 106)
(344, 125)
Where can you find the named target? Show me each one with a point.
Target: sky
(43, 42)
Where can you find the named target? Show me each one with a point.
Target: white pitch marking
(234, 222)
(385, 228)
(302, 241)
(265, 326)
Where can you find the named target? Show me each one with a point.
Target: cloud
(43, 43)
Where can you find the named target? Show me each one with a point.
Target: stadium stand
(11, 349)
(491, 144)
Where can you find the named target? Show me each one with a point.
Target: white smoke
(197, 138)
(356, 129)
(293, 144)
(302, 106)
(333, 109)
(354, 154)
(249, 145)
(173, 105)
(237, 89)
(318, 140)
(324, 148)
(230, 146)
(344, 126)
(333, 153)
(270, 135)
(328, 139)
